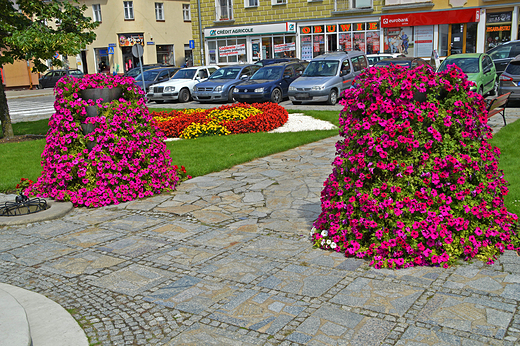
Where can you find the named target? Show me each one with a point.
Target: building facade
(162, 29)
(232, 31)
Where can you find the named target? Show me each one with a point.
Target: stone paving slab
(226, 260)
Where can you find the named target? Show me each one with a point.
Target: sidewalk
(23, 93)
(226, 260)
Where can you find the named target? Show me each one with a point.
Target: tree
(34, 30)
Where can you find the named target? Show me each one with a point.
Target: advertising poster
(373, 45)
(399, 40)
(237, 49)
(306, 48)
(284, 47)
(359, 42)
(128, 40)
(345, 41)
(423, 40)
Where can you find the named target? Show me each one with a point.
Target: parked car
(50, 78)
(154, 76)
(270, 83)
(219, 86)
(410, 62)
(510, 79)
(137, 70)
(503, 54)
(327, 76)
(479, 68)
(266, 62)
(180, 86)
(373, 58)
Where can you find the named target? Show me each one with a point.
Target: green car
(479, 68)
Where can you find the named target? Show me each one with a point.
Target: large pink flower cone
(415, 181)
(128, 158)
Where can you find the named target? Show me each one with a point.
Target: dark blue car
(270, 83)
(219, 86)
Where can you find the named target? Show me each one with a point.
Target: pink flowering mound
(415, 181)
(128, 160)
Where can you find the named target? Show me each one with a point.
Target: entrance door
(129, 60)
(256, 48)
(462, 38)
(332, 42)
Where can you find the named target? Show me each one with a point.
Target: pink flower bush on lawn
(129, 159)
(415, 182)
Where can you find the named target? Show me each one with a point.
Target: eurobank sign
(248, 30)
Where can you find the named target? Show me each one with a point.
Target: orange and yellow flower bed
(221, 121)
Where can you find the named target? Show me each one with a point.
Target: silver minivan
(327, 76)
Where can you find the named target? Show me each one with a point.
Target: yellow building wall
(173, 30)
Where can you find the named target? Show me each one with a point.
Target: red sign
(431, 18)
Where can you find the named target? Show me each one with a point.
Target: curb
(14, 326)
(56, 210)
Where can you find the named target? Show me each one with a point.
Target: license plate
(302, 96)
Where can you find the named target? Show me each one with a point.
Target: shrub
(415, 182)
(129, 159)
(221, 121)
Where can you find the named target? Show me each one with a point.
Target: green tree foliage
(35, 30)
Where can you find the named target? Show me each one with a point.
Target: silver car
(327, 77)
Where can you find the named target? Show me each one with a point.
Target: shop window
(227, 50)
(186, 12)
(224, 10)
(165, 54)
(96, 11)
(251, 3)
(498, 29)
(159, 11)
(212, 51)
(129, 10)
(102, 61)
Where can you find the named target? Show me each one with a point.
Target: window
(186, 12)
(345, 5)
(278, 2)
(224, 10)
(159, 11)
(96, 11)
(251, 3)
(165, 54)
(129, 10)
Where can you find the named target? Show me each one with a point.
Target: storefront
(126, 42)
(316, 39)
(231, 45)
(498, 28)
(419, 34)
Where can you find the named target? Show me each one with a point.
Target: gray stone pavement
(226, 260)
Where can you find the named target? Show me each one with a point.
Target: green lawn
(211, 154)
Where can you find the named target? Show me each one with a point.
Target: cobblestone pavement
(226, 260)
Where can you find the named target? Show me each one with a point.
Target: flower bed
(128, 159)
(221, 121)
(415, 183)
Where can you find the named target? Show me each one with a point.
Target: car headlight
(291, 88)
(318, 87)
(169, 88)
(259, 90)
(218, 88)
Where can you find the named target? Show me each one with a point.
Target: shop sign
(498, 28)
(317, 29)
(499, 17)
(331, 28)
(128, 40)
(431, 18)
(358, 26)
(237, 49)
(276, 28)
(284, 47)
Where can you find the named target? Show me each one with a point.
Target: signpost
(137, 51)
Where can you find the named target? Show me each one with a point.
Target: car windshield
(184, 74)
(321, 69)
(226, 73)
(467, 65)
(268, 73)
(392, 62)
(149, 75)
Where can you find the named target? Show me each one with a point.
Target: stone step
(14, 326)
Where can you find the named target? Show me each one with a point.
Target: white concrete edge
(49, 323)
(14, 326)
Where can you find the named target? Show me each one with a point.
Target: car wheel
(297, 102)
(230, 95)
(159, 101)
(39, 86)
(495, 88)
(184, 96)
(276, 96)
(333, 97)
